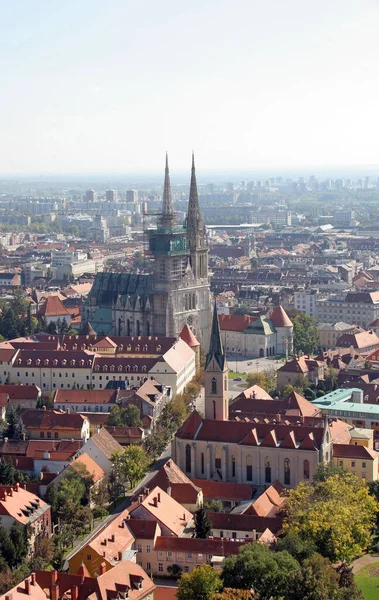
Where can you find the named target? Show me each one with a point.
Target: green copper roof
(261, 325)
(216, 349)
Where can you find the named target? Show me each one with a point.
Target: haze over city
(251, 86)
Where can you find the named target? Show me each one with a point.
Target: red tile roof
(187, 336)
(214, 547)
(223, 490)
(85, 396)
(92, 467)
(164, 509)
(53, 307)
(21, 505)
(280, 318)
(21, 392)
(51, 419)
(352, 451)
(142, 529)
(183, 490)
(243, 522)
(235, 322)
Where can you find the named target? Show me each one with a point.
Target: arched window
(188, 458)
(202, 463)
(233, 466)
(267, 470)
(128, 327)
(186, 302)
(147, 328)
(249, 468)
(214, 386)
(306, 469)
(287, 472)
(138, 328)
(218, 458)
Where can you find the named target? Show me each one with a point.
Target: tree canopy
(201, 584)
(203, 525)
(128, 416)
(130, 465)
(306, 337)
(337, 514)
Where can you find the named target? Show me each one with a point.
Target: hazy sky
(89, 85)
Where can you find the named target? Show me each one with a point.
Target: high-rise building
(90, 196)
(132, 196)
(111, 196)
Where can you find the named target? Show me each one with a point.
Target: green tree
(131, 464)
(201, 584)
(296, 546)
(7, 472)
(12, 428)
(44, 551)
(7, 550)
(257, 567)
(325, 470)
(203, 525)
(265, 379)
(128, 416)
(10, 325)
(100, 495)
(336, 514)
(18, 538)
(305, 334)
(317, 580)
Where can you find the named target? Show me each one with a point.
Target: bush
(320, 393)
(309, 394)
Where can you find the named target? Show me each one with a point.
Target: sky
(88, 86)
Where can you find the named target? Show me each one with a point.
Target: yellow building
(359, 459)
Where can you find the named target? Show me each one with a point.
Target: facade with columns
(252, 452)
(175, 293)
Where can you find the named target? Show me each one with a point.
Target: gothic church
(175, 293)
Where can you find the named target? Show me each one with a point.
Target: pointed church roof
(216, 349)
(194, 218)
(167, 216)
(280, 318)
(188, 337)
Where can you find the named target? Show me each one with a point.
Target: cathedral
(174, 294)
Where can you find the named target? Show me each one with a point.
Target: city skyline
(251, 86)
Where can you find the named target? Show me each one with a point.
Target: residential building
(361, 461)
(52, 424)
(330, 332)
(158, 506)
(347, 404)
(303, 366)
(53, 310)
(21, 396)
(360, 341)
(85, 400)
(239, 526)
(17, 505)
(306, 301)
(100, 447)
(360, 308)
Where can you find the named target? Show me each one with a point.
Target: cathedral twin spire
(167, 217)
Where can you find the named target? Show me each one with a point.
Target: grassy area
(233, 374)
(368, 581)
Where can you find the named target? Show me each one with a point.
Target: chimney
(44, 407)
(184, 516)
(54, 592)
(17, 487)
(112, 537)
(254, 534)
(74, 592)
(159, 496)
(103, 568)
(105, 542)
(53, 576)
(6, 439)
(155, 501)
(27, 586)
(140, 499)
(33, 578)
(120, 556)
(169, 490)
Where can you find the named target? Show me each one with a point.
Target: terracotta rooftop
(21, 392)
(242, 522)
(51, 419)
(53, 307)
(21, 505)
(213, 547)
(164, 509)
(92, 467)
(234, 322)
(223, 490)
(280, 318)
(352, 451)
(183, 490)
(86, 396)
(188, 337)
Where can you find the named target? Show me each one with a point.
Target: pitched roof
(115, 537)
(224, 490)
(243, 522)
(188, 337)
(164, 509)
(296, 365)
(86, 396)
(215, 547)
(20, 392)
(21, 505)
(361, 340)
(53, 307)
(280, 318)
(92, 467)
(142, 529)
(297, 405)
(106, 443)
(51, 419)
(235, 322)
(353, 451)
(25, 589)
(183, 490)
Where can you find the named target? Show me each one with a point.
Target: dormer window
(129, 348)
(143, 369)
(112, 368)
(64, 362)
(97, 368)
(119, 368)
(73, 362)
(159, 348)
(138, 348)
(29, 361)
(128, 368)
(75, 347)
(38, 361)
(145, 348)
(135, 368)
(105, 368)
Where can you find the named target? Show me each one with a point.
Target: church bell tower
(216, 376)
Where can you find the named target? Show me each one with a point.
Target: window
(267, 470)
(160, 567)
(41, 434)
(49, 434)
(148, 548)
(189, 554)
(202, 463)
(214, 386)
(363, 465)
(139, 548)
(234, 534)
(341, 463)
(249, 469)
(363, 475)
(169, 555)
(353, 463)
(233, 466)
(306, 469)
(89, 556)
(56, 435)
(221, 533)
(188, 458)
(148, 566)
(287, 472)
